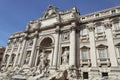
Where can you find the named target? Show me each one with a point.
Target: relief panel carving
(65, 36)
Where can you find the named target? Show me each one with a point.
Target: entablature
(108, 13)
(52, 19)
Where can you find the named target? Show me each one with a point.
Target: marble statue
(27, 58)
(65, 56)
(3, 69)
(51, 11)
(44, 63)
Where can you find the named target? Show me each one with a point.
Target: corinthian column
(37, 55)
(56, 47)
(9, 59)
(72, 54)
(111, 48)
(3, 59)
(92, 45)
(23, 46)
(33, 49)
(16, 58)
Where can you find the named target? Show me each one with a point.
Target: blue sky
(15, 14)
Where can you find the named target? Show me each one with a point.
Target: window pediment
(85, 47)
(117, 45)
(102, 46)
(115, 20)
(98, 23)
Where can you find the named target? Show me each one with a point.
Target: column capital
(107, 25)
(58, 18)
(73, 26)
(37, 47)
(9, 41)
(23, 38)
(57, 30)
(36, 34)
(91, 28)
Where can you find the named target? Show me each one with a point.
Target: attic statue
(50, 12)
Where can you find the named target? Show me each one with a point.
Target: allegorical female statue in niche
(44, 62)
(65, 56)
(27, 58)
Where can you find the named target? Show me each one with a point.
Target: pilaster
(56, 47)
(111, 48)
(17, 53)
(21, 60)
(37, 55)
(72, 55)
(9, 59)
(3, 59)
(33, 49)
(92, 45)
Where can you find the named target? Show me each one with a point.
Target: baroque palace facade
(65, 45)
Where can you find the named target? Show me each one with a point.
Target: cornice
(117, 7)
(100, 18)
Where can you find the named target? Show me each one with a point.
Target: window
(113, 11)
(102, 53)
(12, 58)
(83, 18)
(117, 26)
(84, 54)
(105, 75)
(97, 15)
(84, 32)
(99, 29)
(85, 75)
(6, 58)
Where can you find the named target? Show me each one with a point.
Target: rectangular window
(84, 32)
(105, 75)
(113, 11)
(12, 57)
(84, 54)
(97, 15)
(99, 29)
(117, 26)
(102, 54)
(6, 58)
(85, 75)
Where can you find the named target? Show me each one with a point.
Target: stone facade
(2, 50)
(65, 45)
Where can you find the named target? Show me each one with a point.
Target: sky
(15, 14)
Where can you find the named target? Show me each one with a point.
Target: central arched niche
(46, 43)
(46, 47)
